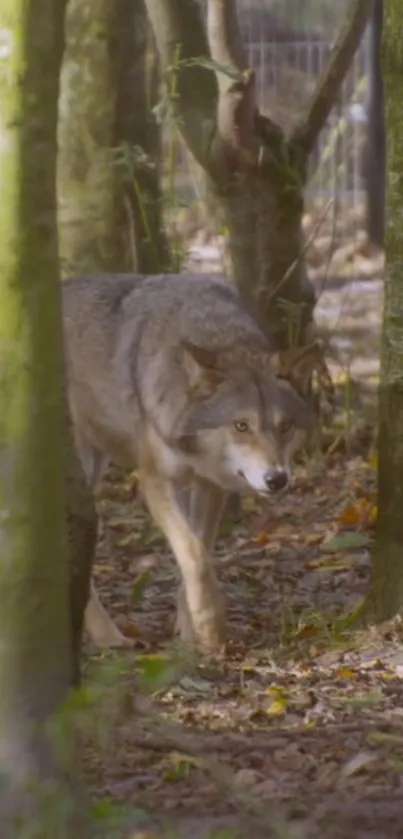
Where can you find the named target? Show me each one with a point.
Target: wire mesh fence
(288, 44)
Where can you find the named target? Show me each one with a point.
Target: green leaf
(368, 701)
(191, 684)
(153, 537)
(215, 66)
(351, 539)
(157, 671)
(139, 585)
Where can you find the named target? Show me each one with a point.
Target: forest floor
(299, 731)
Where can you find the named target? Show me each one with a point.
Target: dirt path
(298, 720)
(299, 732)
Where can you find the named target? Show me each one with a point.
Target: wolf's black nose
(276, 479)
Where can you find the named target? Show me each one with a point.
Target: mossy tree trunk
(86, 175)
(110, 206)
(138, 145)
(257, 173)
(81, 540)
(35, 639)
(374, 158)
(386, 595)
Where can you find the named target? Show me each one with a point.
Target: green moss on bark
(386, 595)
(33, 567)
(141, 239)
(35, 654)
(86, 176)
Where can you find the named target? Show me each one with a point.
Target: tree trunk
(386, 594)
(138, 144)
(375, 162)
(81, 542)
(262, 212)
(110, 205)
(35, 660)
(258, 174)
(86, 175)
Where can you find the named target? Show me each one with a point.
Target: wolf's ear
(201, 367)
(298, 364)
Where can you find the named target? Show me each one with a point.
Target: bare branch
(236, 114)
(223, 34)
(236, 119)
(220, 129)
(329, 83)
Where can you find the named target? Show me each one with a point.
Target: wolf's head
(247, 415)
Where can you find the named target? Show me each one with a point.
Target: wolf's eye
(284, 426)
(241, 426)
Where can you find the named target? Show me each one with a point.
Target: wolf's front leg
(204, 602)
(204, 511)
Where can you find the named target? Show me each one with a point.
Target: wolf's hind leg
(92, 460)
(100, 627)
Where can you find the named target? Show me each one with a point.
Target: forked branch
(325, 95)
(236, 113)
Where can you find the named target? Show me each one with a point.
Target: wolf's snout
(276, 479)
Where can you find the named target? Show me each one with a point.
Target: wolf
(174, 375)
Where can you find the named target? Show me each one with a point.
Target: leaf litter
(299, 730)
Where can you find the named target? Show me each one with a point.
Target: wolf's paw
(111, 641)
(205, 628)
(99, 625)
(106, 635)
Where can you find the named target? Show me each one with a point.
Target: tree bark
(258, 174)
(86, 175)
(35, 640)
(386, 593)
(110, 203)
(81, 541)
(137, 142)
(375, 157)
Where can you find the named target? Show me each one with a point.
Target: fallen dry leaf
(290, 703)
(307, 631)
(332, 564)
(277, 708)
(362, 513)
(359, 763)
(346, 673)
(261, 538)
